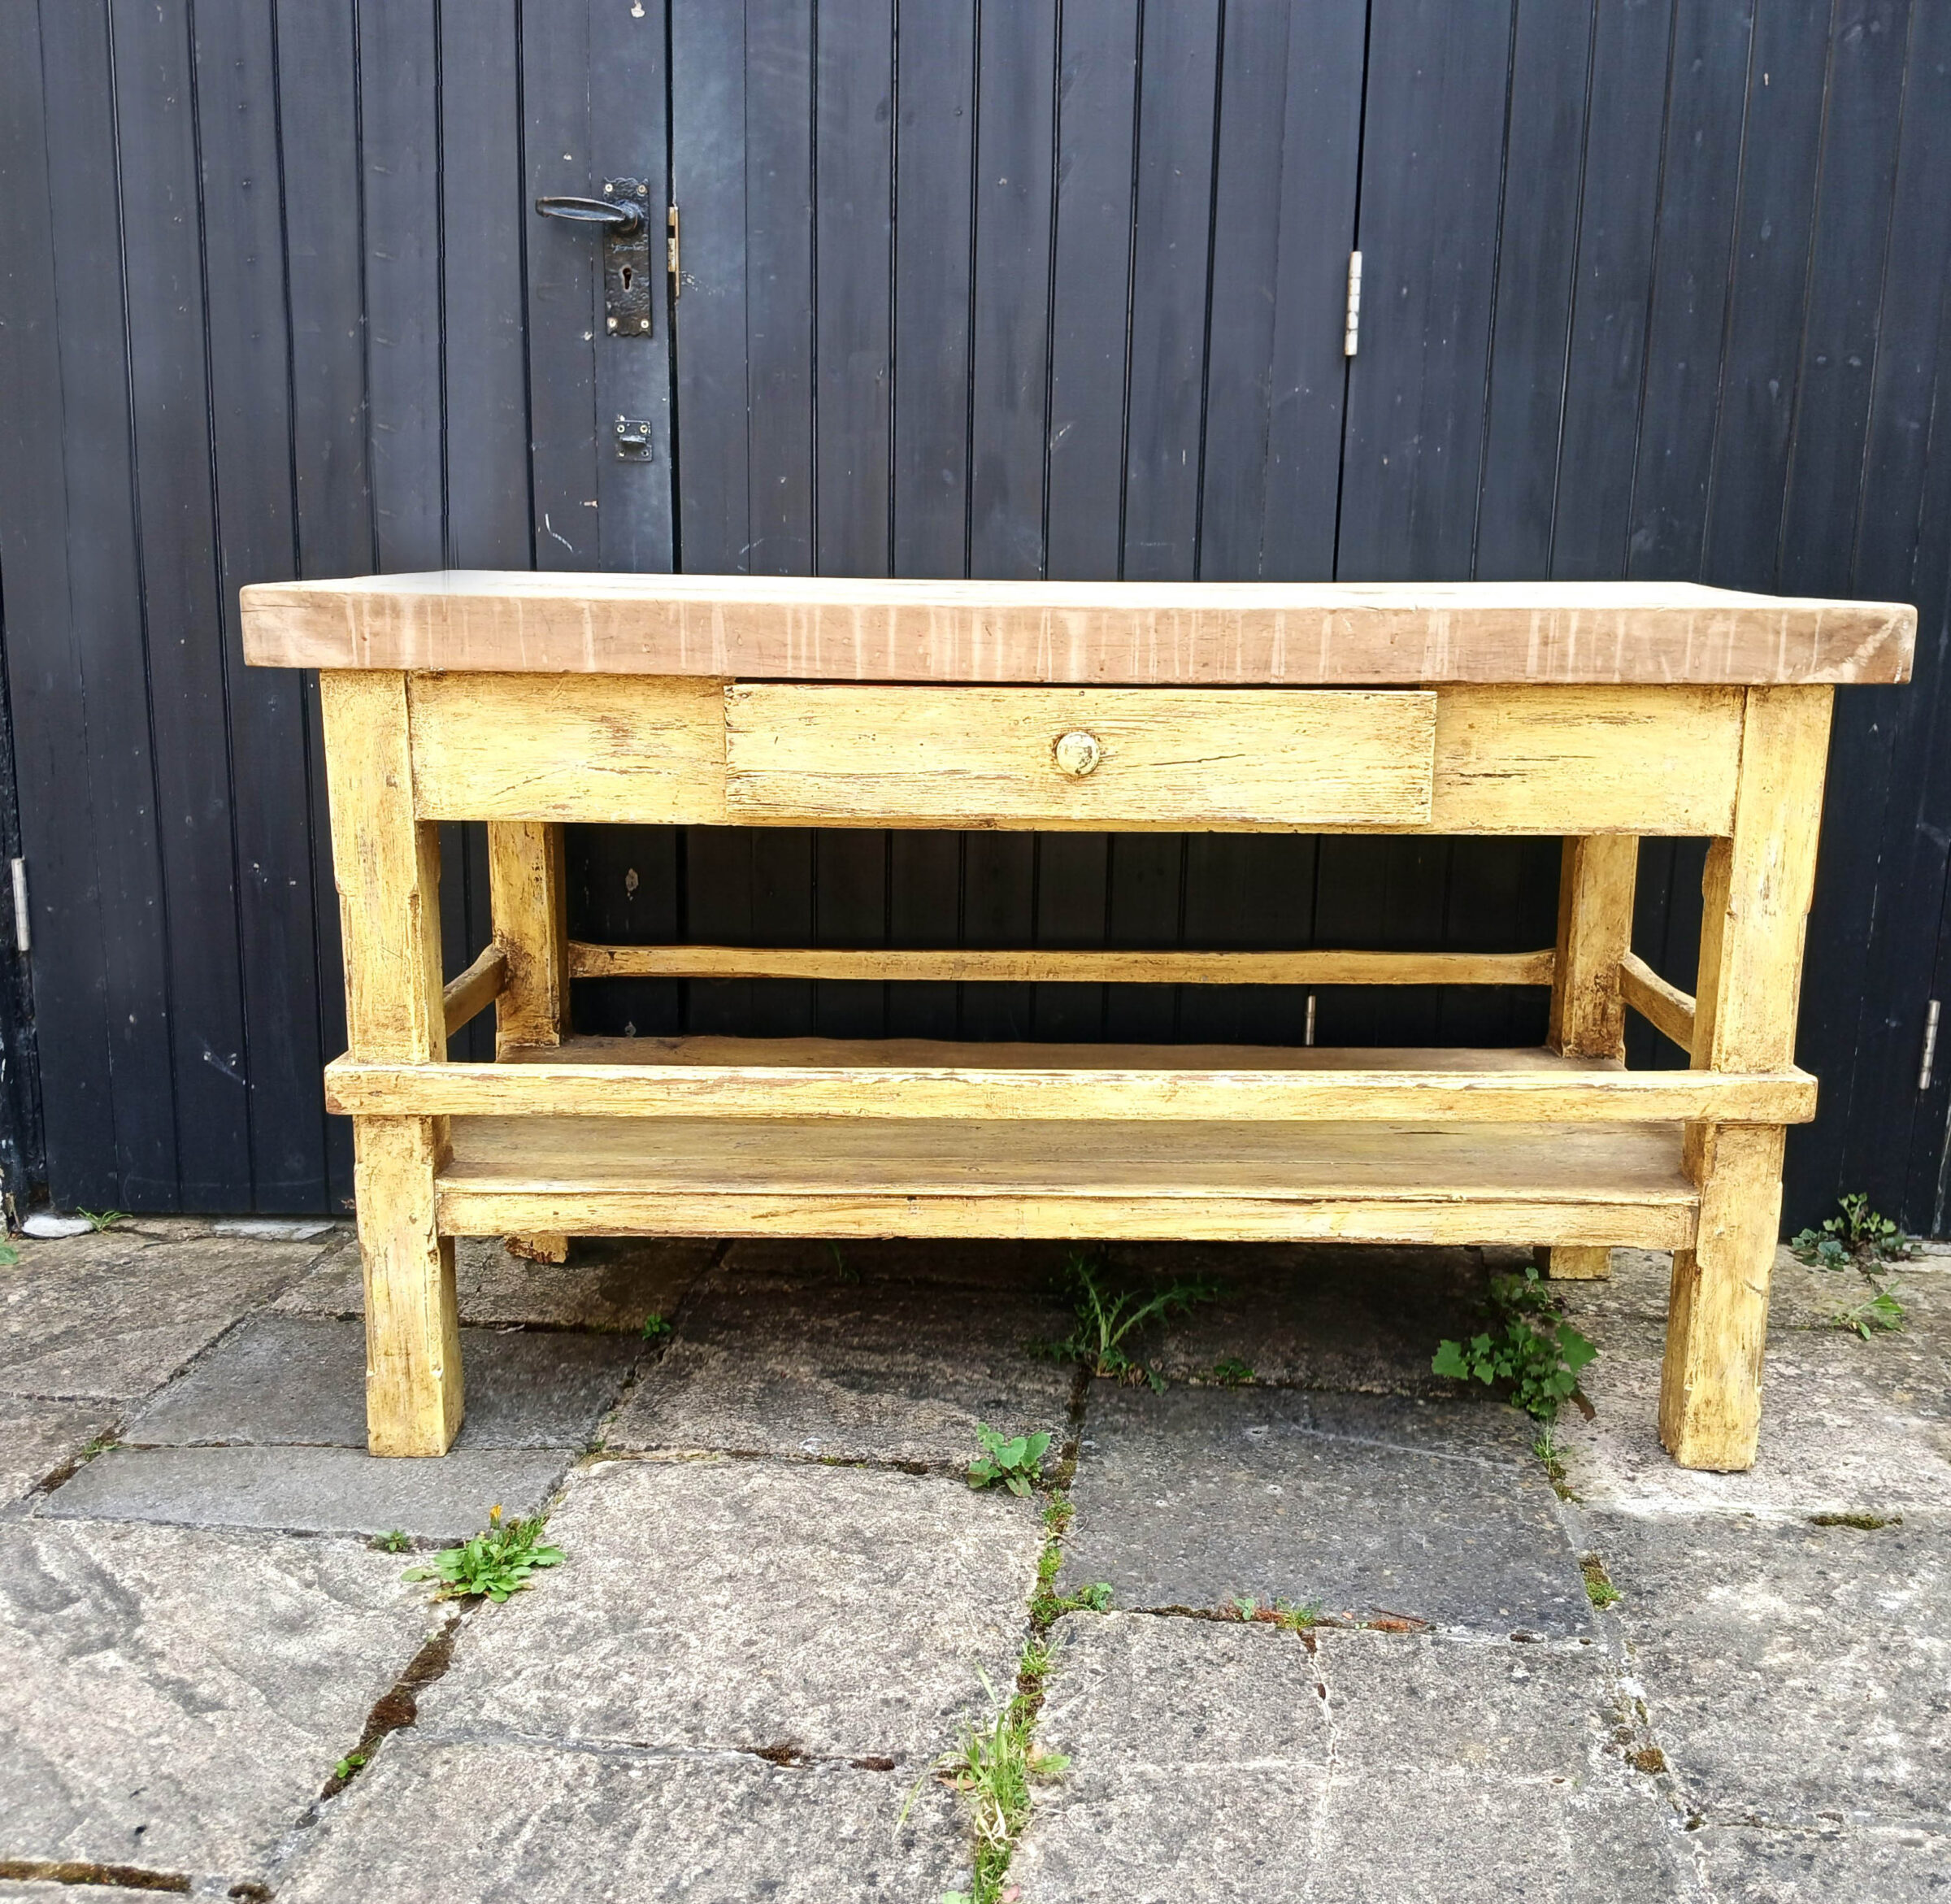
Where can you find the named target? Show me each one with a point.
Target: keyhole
(629, 271)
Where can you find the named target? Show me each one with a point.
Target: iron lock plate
(633, 443)
(627, 274)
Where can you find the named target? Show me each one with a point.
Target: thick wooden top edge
(1143, 634)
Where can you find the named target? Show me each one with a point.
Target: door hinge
(23, 937)
(670, 264)
(1923, 1069)
(1351, 334)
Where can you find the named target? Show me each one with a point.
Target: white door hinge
(1923, 1069)
(1351, 335)
(23, 937)
(677, 279)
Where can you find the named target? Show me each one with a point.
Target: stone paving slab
(276, 1380)
(1213, 1761)
(608, 1283)
(176, 1699)
(433, 1822)
(47, 1891)
(37, 1437)
(836, 1611)
(863, 1366)
(308, 1490)
(114, 1315)
(1847, 1426)
(1872, 1867)
(1316, 1316)
(1793, 1673)
(1199, 1496)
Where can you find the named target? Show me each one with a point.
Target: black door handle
(623, 218)
(620, 217)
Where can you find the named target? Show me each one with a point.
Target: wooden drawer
(1079, 757)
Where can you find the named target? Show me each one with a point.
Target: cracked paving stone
(1871, 1866)
(1367, 1504)
(48, 1891)
(38, 1437)
(612, 1283)
(1213, 1761)
(1847, 1426)
(867, 1365)
(114, 1315)
(434, 1821)
(310, 1490)
(836, 1610)
(1793, 1672)
(1317, 1316)
(176, 1699)
(278, 1380)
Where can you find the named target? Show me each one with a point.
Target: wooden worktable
(1601, 713)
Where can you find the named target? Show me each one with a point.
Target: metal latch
(670, 255)
(622, 214)
(633, 442)
(1351, 328)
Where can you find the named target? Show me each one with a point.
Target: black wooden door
(1651, 289)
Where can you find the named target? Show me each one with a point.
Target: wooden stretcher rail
(1038, 965)
(1666, 1008)
(544, 1088)
(477, 989)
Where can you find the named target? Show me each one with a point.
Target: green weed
(1528, 1347)
(1880, 1310)
(9, 1254)
(347, 1766)
(1229, 1372)
(840, 1267)
(992, 1768)
(1599, 1588)
(397, 1541)
(655, 1327)
(1296, 1616)
(496, 1561)
(1016, 1463)
(98, 1220)
(1109, 1321)
(1858, 1237)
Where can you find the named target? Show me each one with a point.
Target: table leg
(1756, 893)
(387, 864)
(1596, 882)
(526, 903)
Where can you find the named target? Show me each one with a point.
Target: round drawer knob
(1078, 753)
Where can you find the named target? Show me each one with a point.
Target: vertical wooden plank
(999, 908)
(924, 884)
(563, 285)
(1596, 889)
(118, 856)
(531, 912)
(176, 528)
(1756, 902)
(1501, 898)
(42, 648)
(1090, 299)
(1699, 193)
(1010, 355)
(388, 870)
(1178, 105)
(1432, 168)
(625, 886)
(1537, 272)
(1290, 85)
(628, 99)
(780, 287)
(710, 160)
(320, 175)
(1073, 873)
(483, 215)
(853, 209)
(1787, 72)
(1145, 881)
(399, 119)
(850, 874)
(1606, 349)
(1252, 892)
(251, 452)
(935, 137)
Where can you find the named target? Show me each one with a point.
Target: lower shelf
(1615, 1184)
